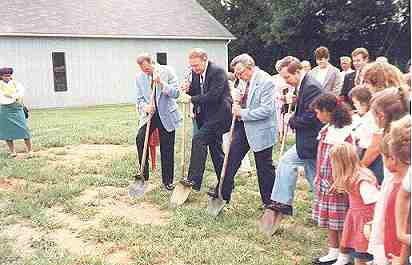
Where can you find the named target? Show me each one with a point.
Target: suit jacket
(348, 84)
(259, 115)
(165, 98)
(304, 121)
(333, 81)
(215, 103)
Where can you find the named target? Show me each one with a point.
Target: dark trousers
(264, 165)
(167, 146)
(205, 137)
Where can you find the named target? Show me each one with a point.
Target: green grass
(189, 237)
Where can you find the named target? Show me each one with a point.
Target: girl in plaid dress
(330, 206)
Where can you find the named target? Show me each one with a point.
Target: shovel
(181, 192)
(285, 134)
(215, 205)
(136, 190)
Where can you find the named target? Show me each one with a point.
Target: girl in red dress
(398, 168)
(329, 206)
(361, 186)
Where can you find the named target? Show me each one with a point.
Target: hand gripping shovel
(215, 205)
(181, 192)
(136, 190)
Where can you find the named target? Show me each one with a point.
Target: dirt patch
(94, 154)
(11, 183)
(22, 236)
(112, 201)
(57, 216)
(71, 241)
(118, 255)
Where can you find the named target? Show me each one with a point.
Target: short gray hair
(144, 57)
(244, 59)
(198, 53)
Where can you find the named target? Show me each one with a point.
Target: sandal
(13, 155)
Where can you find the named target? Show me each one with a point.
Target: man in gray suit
(255, 127)
(325, 73)
(164, 113)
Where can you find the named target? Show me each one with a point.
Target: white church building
(83, 53)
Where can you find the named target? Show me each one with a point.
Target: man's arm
(170, 86)
(141, 104)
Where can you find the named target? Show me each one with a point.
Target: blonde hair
(392, 103)
(400, 141)
(346, 167)
(382, 75)
(384, 145)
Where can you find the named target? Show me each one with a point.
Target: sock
(343, 259)
(332, 255)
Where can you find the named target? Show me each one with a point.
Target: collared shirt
(249, 85)
(204, 72)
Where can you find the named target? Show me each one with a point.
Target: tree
(269, 30)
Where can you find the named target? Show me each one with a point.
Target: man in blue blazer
(165, 114)
(304, 152)
(255, 127)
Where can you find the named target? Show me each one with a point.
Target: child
(329, 206)
(386, 106)
(360, 184)
(398, 168)
(400, 147)
(366, 131)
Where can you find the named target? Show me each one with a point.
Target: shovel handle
(226, 159)
(285, 134)
(146, 136)
(183, 164)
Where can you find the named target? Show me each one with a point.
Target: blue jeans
(286, 175)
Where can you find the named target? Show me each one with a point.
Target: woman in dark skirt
(13, 124)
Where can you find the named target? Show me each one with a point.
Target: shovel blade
(266, 223)
(136, 190)
(179, 195)
(215, 206)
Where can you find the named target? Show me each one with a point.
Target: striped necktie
(245, 95)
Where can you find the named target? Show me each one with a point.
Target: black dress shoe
(187, 183)
(169, 187)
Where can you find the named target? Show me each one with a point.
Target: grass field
(69, 205)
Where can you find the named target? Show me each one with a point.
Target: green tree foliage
(271, 29)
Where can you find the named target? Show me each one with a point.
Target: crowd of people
(352, 130)
(344, 124)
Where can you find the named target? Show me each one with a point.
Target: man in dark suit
(360, 57)
(210, 95)
(304, 152)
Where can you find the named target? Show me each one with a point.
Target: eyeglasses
(239, 72)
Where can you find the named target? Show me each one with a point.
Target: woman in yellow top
(13, 124)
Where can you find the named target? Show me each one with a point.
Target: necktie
(201, 84)
(245, 95)
(201, 92)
